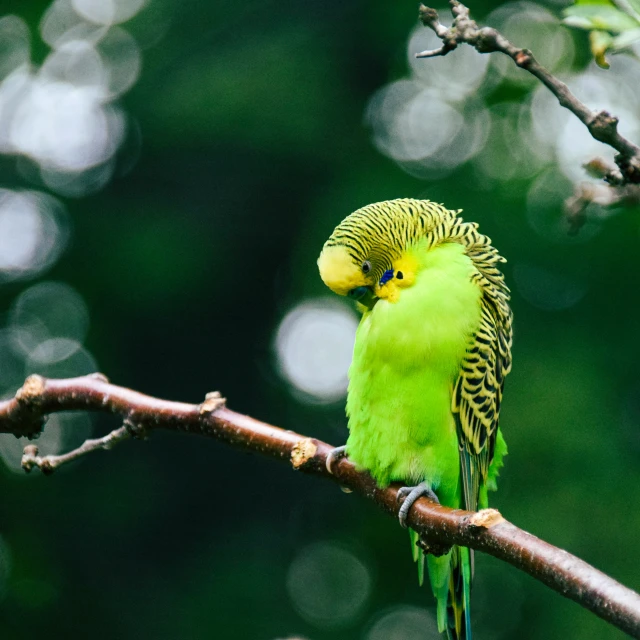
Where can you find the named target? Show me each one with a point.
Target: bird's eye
(366, 266)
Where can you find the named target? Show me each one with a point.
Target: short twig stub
(212, 401)
(485, 519)
(31, 390)
(302, 452)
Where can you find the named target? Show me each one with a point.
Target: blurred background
(168, 174)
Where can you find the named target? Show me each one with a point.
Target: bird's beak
(369, 299)
(365, 296)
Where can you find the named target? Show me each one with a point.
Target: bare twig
(616, 194)
(438, 526)
(48, 464)
(601, 125)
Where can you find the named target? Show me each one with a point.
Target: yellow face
(339, 272)
(404, 275)
(346, 277)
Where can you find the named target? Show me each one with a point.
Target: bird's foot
(334, 456)
(408, 495)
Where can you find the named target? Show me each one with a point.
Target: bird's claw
(335, 455)
(408, 495)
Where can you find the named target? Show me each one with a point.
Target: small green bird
(432, 351)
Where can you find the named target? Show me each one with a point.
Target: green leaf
(608, 3)
(600, 42)
(625, 39)
(635, 5)
(599, 17)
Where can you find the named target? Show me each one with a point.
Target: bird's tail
(450, 577)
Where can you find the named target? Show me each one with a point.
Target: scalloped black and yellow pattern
(477, 392)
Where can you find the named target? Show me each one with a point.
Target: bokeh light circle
(548, 289)
(107, 12)
(61, 116)
(314, 346)
(454, 77)
(545, 212)
(60, 358)
(15, 44)
(33, 233)
(65, 126)
(46, 311)
(508, 154)
(404, 623)
(328, 585)
(530, 25)
(121, 56)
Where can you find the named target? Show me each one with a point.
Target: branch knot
(212, 402)
(428, 16)
(28, 418)
(485, 40)
(434, 548)
(135, 430)
(484, 519)
(302, 452)
(630, 167)
(523, 58)
(603, 126)
(31, 391)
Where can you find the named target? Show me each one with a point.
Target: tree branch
(606, 197)
(601, 125)
(438, 526)
(48, 464)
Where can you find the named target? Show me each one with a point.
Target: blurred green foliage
(612, 27)
(253, 147)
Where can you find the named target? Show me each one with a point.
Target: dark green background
(253, 148)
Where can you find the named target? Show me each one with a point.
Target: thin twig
(48, 464)
(601, 125)
(616, 194)
(438, 526)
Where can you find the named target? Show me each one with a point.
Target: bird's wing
(478, 390)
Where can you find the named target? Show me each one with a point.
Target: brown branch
(438, 526)
(601, 125)
(48, 464)
(616, 194)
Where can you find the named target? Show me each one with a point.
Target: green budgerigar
(432, 351)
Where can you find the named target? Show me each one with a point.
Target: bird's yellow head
(366, 256)
(341, 272)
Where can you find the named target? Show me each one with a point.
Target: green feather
(406, 358)
(405, 361)
(431, 354)
(418, 555)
